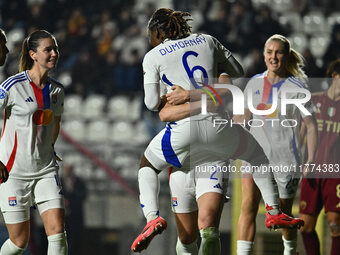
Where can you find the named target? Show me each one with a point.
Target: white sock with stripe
(148, 192)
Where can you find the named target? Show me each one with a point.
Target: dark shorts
(316, 193)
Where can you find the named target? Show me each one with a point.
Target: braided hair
(172, 23)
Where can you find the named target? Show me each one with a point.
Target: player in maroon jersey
(324, 189)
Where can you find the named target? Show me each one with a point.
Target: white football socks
(186, 249)
(57, 244)
(210, 241)
(9, 248)
(266, 183)
(244, 247)
(289, 246)
(149, 191)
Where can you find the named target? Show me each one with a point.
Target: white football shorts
(18, 195)
(203, 141)
(287, 177)
(187, 186)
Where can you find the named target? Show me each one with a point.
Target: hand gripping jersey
(280, 142)
(190, 62)
(26, 140)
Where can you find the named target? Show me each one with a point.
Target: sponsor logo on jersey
(29, 99)
(174, 201)
(42, 117)
(12, 201)
(257, 92)
(2, 94)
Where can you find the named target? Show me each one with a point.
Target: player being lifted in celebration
(33, 104)
(280, 143)
(179, 57)
(323, 189)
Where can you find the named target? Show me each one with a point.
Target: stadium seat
(122, 132)
(314, 22)
(15, 35)
(319, 44)
(299, 41)
(94, 106)
(75, 128)
(292, 20)
(332, 19)
(98, 131)
(65, 78)
(258, 3)
(119, 107)
(281, 6)
(73, 105)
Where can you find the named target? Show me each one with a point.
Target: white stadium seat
(98, 131)
(292, 19)
(94, 106)
(281, 6)
(75, 128)
(119, 107)
(319, 44)
(299, 42)
(332, 19)
(314, 22)
(73, 106)
(122, 132)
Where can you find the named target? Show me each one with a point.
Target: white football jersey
(190, 62)
(279, 141)
(26, 140)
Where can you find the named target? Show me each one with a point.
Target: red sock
(335, 245)
(311, 243)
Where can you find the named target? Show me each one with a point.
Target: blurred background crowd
(102, 44)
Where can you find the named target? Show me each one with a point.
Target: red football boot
(152, 228)
(282, 220)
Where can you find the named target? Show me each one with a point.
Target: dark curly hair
(172, 23)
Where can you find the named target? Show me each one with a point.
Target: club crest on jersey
(54, 99)
(174, 201)
(2, 94)
(12, 201)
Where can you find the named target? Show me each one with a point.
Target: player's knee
(210, 234)
(187, 237)
(335, 228)
(21, 243)
(55, 228)
(207, 220)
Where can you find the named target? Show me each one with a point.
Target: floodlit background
(105, 127)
